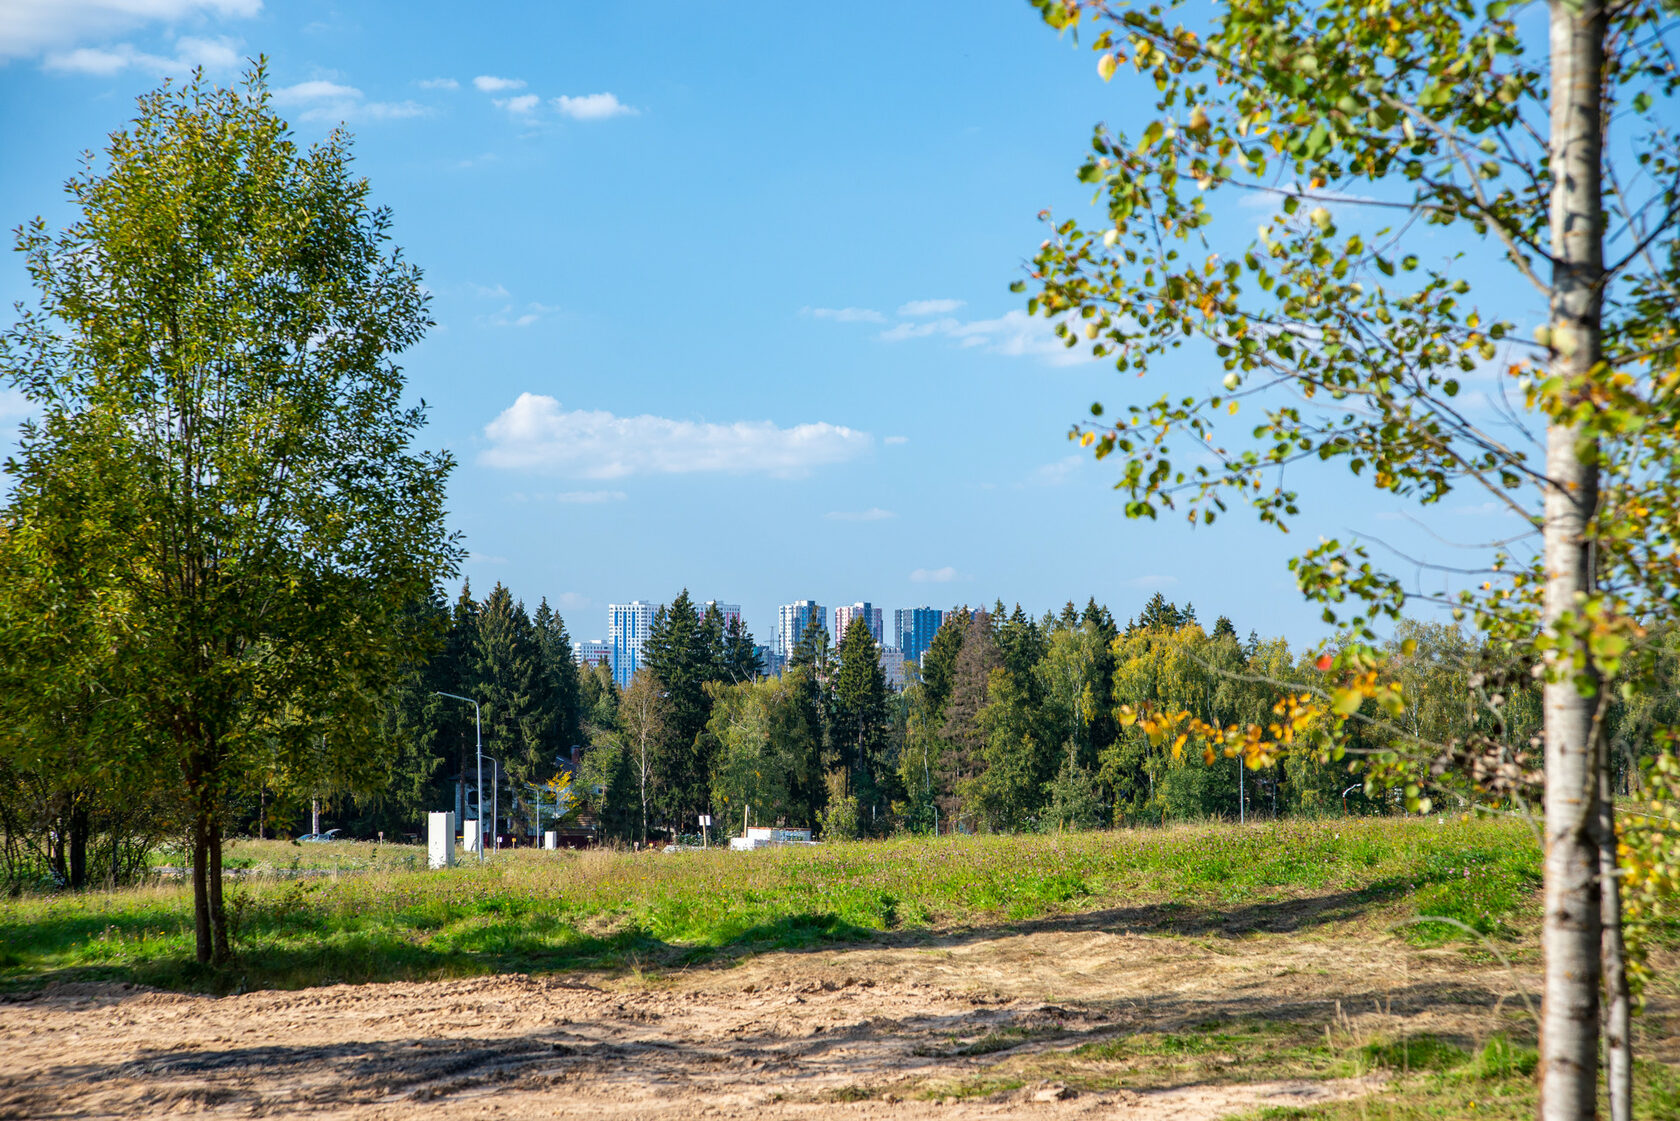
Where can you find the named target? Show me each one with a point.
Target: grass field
(377, 914)
(1192, 960)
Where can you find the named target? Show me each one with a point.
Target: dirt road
(876, 1030)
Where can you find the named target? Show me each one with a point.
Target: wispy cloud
(32, 27)
(1150, 583)
(893, 440)
(489, 83)
(844, 314)
(1015, 333)
(593, 107)
(524, 315)
(522, 105)
(934, 575)
(536, 434)
(573, 600)
(322, 100)
(929, 307)
(438, 84)
(1054, 474)
(570, 497)
(873, 514)
(213, 54)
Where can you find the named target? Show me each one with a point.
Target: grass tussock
(377, 915)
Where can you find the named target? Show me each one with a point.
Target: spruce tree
(562, 722)
(740, 655)
(939, 663)
(970, 680)
(861, 716)
(679, 655)
(506, 674)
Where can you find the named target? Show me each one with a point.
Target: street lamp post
(478, 747)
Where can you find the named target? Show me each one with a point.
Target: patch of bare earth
(884, 1029)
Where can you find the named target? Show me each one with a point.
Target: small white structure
(767, 836)
(471, 838)
(551, 839)
(440, 839)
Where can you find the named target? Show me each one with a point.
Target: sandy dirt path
(832, 1033)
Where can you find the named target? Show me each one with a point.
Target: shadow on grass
(153, 947)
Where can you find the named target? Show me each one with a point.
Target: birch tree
(1533, 136)
(213, 354)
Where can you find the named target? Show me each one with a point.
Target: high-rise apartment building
(791, 621)
(592, 652)
(731, 612)
(914, 628)
(871, 615)
(628, 625)
(892, 666)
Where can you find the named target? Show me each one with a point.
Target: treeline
(1015, 723)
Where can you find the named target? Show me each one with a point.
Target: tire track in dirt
(830, 1033)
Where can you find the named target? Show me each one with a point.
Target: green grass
(375, 919)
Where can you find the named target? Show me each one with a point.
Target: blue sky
(721, 289)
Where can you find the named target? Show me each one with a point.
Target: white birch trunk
(1570, 1009)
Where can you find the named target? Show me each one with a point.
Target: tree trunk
(219, 953)
(1618, 1026)
(78, 827)
(200, 881)
(1571, 937)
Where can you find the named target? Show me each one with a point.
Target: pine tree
(970, 679)
(939, 663)
(679, 654)
(506, 676)
(861, 716)
(1224, 628)
(562, 722)
(740, 655)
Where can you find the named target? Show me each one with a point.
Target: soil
(866, 1030)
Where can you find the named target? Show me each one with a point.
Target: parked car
(324, 835)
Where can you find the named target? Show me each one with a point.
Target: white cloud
(438, 84)
(212, 54)
(535, 433)
(525, 316)
(30, 27)
(524, 103)
(934, 575)
(891, 440)
(488, 293)
(844, 314)
(929, 307)
(484, 558)
(1014, 333)
(572, 600)
(317, 90)
(593, 107)
(873, 514)
(1150, 583)
(1052, 474)
(589, 497)
(491, 84)
(322, 100)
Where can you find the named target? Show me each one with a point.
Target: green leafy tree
(1373, 132)
(766, 758)
(215, 340)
